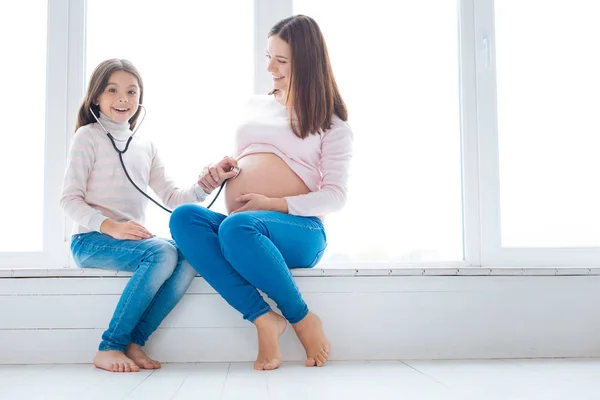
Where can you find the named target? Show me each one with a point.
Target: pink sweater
(95, 187)
(321, 161)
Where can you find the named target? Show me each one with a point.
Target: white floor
(564, 379)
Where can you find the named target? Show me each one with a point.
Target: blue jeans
(248, 251)
(161, 276)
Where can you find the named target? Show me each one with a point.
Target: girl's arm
(80, 161)
(166, 188)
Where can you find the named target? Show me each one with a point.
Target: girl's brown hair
(98, 83)
(312, 90)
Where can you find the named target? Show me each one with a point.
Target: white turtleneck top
(95, 186)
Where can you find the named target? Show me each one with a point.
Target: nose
(123, 99)
(271, 65)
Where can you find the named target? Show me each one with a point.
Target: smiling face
(279, 56)
(121, 97)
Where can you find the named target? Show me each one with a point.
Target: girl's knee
(162, 258)
(185, 276)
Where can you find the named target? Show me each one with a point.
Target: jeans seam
(272, 218)
(268, 251)
(259, 313)
(124, 306)
(153, 302)
(111, 247)
(295, 321)
(113, 348)
(114, 248)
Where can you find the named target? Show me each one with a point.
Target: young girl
(109, 213)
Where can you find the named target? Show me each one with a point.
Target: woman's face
(279, 57)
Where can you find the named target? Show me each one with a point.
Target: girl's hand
(129, 230)
(260, 202)
(212, 176)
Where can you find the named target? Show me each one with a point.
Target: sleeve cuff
(96, 221)
(201, 195)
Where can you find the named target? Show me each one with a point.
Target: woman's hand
(212, 176)
(129, 230)
(259, 202)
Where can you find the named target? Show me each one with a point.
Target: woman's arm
(336, 153)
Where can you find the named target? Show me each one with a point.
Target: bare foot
(138, 356)
(270, 327)
(311, 335)
(114, 361)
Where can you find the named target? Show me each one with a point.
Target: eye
(132, 92)
(268, 56)
(112, 90)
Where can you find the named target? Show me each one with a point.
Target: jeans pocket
(79, 243)
(75, 242)
(316, 259)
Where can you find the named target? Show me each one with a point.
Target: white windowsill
(348, 270)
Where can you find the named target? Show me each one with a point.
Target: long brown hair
(312, 89)
(98, 83)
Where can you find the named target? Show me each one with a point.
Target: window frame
(61, 32)
(65, 77)
(493, 254)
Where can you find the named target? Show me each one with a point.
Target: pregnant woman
(294, 151)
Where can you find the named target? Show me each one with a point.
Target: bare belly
(266, 174)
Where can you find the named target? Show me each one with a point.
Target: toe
(320, 360)
(270, 365)
(310, 362)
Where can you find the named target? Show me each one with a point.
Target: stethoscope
(121, 152)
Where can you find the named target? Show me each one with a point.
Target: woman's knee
(183, 216)
(236, 226)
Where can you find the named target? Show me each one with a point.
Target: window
(474, 121)
(399, 78)
(537, 130)
(197, 69)
(22, 111)
(548, 129)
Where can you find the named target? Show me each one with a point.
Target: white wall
(61, 319)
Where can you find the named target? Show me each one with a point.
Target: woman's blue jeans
(161, 276)
(248, 251)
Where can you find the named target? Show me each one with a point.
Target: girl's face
(279, 56)
(121, 97)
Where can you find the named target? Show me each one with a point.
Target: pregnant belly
(266, 174)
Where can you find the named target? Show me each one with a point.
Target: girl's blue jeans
(160, 278)
(248, 251)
